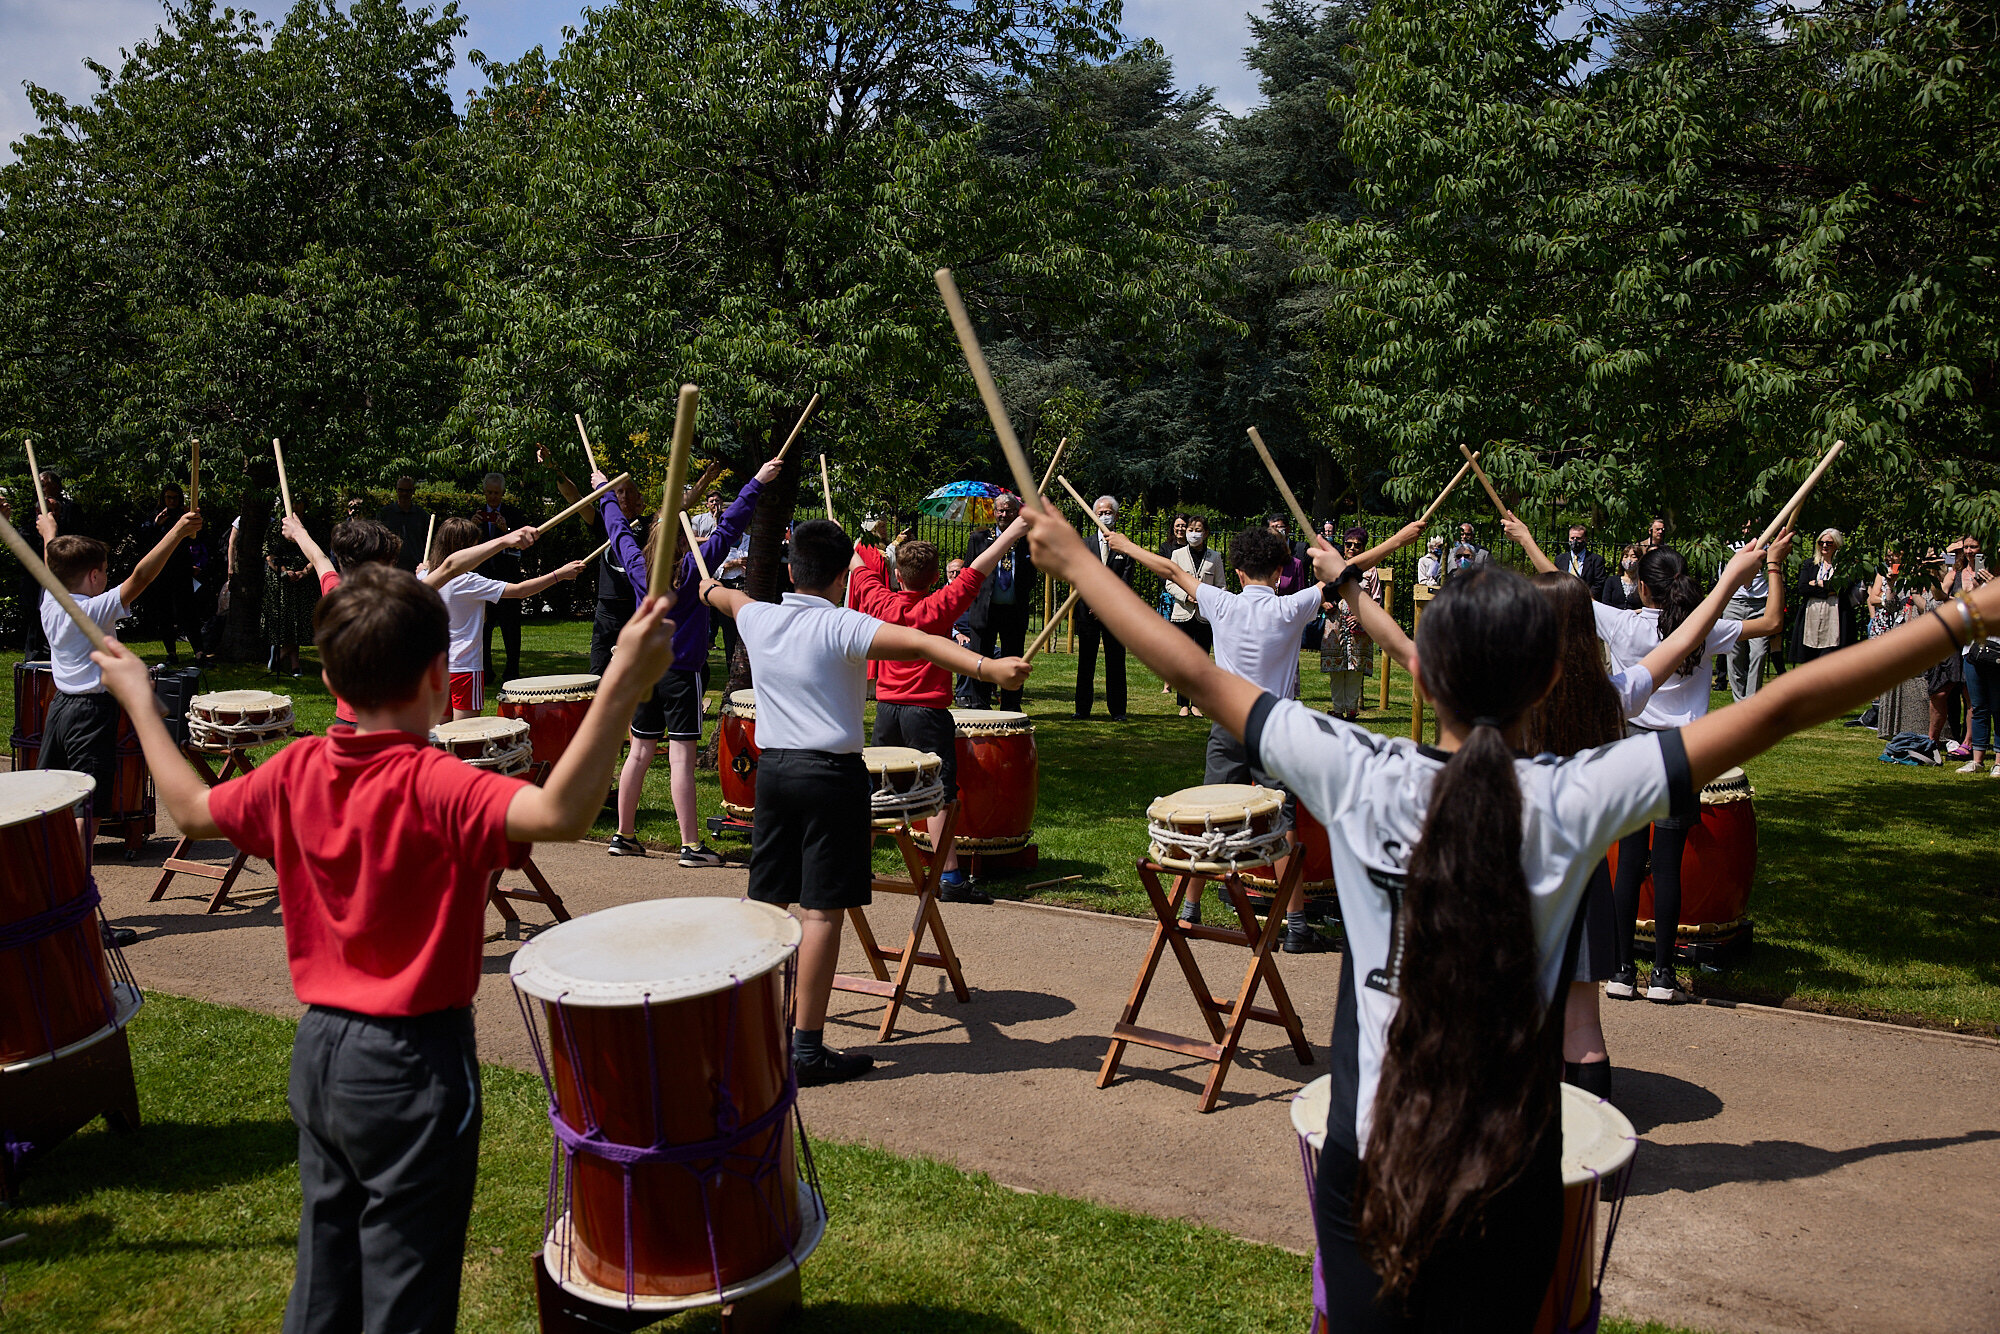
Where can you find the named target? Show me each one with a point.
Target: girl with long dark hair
(1460, 868)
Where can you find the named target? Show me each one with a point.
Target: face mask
(1576, 545)
(1629, 562)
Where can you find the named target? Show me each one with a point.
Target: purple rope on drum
(709, 1161)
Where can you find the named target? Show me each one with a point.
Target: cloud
(46, 43)
(1206, 38)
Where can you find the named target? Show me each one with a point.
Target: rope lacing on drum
(723, 1152)
(925, 796)
(1237, 843)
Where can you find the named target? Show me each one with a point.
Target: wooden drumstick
(1054, 459)
(35, 471)
(194, 474)
(430, 531)
(1055, 622)
(694, 546)
(47, 579)
(284, 485)
(797, 427)
(658, 581)
(989, 393)
(826, 489)
(588, 457)
(1084, 505)
(1284, 487)
(1791, 510)
(595, 554)
(1484, 481)
(619, 480)
(1449, 487)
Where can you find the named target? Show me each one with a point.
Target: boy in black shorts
(810, 845)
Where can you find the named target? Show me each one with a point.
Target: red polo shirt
(383, 848)
(919, 681)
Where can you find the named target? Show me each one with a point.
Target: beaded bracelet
(1975, 620)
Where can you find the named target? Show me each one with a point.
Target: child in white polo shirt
(454, 553)
(811, 837)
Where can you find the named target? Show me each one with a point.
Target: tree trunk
(764, 577)
(1326, 473)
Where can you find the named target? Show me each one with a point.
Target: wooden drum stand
(238, 761)
(926, 867)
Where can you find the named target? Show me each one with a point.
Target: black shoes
(1190, 911)
(1663, 988)
(117, 937)
(831, 1067)
(621, 846)
(954, 887)
(1304, 940)
(700, 856)
(1624, 984)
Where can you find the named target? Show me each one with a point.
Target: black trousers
(1202, 633)
(1003, 639)
(1089, 631)
(506, 613)
(388, 1111)
(604, 628)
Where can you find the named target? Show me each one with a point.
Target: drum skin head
(579, 685)
(1597, 1139)
(33, 793)
(241, 699)
(1219, 801)
(660, 950)
(898, 760)
(479, 729)
(742, 703)
(990, 720)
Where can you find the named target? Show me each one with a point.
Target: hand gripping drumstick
(1449, 487)
(43, 576)
(694, 546)
(1284, 487)
(588, 457)
(1054, 459)
(797, 427)
(1055, 622)
(989, 393)
(1791, 510)
(590, 499)
(34, 471)
(1484, 480)
(284, 486)
(658, 581)
(826, 489)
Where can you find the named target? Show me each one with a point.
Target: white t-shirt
(1373, 793)
(465, 597)
(69, 650)
(1680, 699)
(811, 664)
(1634, 685)
(1257, 633)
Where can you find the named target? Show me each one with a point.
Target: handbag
(1986, 653)
(1315, 634)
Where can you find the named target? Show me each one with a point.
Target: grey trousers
(1746, 656)
(388, 1111)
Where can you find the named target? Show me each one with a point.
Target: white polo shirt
(810, 659)
(465, 598)
(69, 651)
(1680, 699)
(1257, 633)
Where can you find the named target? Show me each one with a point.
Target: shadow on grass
(163, 1158)
(1698, 1167)
(838, 1317)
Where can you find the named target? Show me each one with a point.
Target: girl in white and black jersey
(1670, 597)
(1459, 868)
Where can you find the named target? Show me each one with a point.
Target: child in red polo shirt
(383, 847)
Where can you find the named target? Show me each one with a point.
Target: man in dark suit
(496, 519)
(1090, 630)
(996, 624)
(1580, 560)
(403, 517)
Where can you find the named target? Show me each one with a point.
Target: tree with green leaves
(228, 241)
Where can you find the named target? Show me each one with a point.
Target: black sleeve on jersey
(1683, 802)
(1253, 731)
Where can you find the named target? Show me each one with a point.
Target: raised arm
(1375, 555)
(1222, 696)
(1691, 633)
(1773, 619)
(1376, 622)
(563, 484)
(1524, 539)
(459, 562)
(900, 643)
(988, 560)
(174, 779)
(296, 531)
(1829, 686)
(527, 588)
(148, 569)
(1161, 565)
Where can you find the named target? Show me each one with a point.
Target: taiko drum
(131, 795)
(1720, 864)
(56, 987)
(999, 778)
(736, 753)
(665, 1025)
(553, 707)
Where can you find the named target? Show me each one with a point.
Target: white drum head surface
(241, 699)
(479, 729)
(662, 950)
(33, 793)
(1309, 1110)
(550, 685)
(991, 720)
(1215, 801)
(1597, 1139)
(898, 760)
(744, 703)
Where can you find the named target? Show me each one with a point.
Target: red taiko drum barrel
(1718, 868)
(668, 1065)
(736, 754)
(553, 707)
(1317, 877)
(999, 779)
(130, 800)
(58, 988)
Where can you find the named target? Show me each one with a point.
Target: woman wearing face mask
(1206, 566)
(1620, 588)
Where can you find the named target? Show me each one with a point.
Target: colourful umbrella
(962, 502)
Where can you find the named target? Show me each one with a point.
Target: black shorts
(81, 733)
(811, 841)
(1227, 760)
(921, 727)
(673, 710)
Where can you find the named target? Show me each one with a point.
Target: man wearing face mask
(1580, 560)
(997, 621)
(1205, 566)
(1746, 656)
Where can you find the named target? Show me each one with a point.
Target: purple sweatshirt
(689, 616)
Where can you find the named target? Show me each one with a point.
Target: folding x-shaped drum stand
(1262, 971)
(925, 870)
(177, 862)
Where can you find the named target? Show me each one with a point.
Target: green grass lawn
(1878, 886)
(192, 1223)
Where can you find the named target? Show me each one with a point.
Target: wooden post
(1419, 596)
(1387, 576)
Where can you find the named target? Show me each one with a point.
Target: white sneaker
(1996, 771)
(1970, 767)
